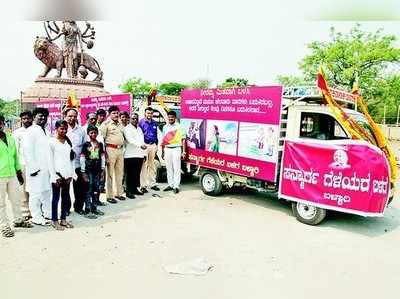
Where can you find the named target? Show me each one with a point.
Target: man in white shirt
(78, 138)
(173, 150)
(18, 134)
(133, 156)
(36, 147)
(124, 120)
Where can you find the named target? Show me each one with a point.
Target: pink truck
(286, 142)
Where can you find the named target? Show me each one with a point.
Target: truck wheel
(308, 214)
(210, 183)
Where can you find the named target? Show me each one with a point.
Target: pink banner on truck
(340, 175)
(238, 165)
(92, 104)
(235, 130)
(255, 104)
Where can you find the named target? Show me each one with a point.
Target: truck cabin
(160, 114)
(311, 118)
(320, 126)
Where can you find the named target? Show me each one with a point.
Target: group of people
(114, 151)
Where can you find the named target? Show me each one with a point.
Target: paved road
(257, 248)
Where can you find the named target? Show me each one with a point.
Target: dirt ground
(256, 247)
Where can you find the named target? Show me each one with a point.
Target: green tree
(234, 82)
(294, 81)
(137, 87)
(371, 58)
(171, 88)
(200, 83)
(384, 99)
(9, 108)
(347, 57)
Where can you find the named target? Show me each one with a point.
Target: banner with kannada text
(234, 130)
(92, 104)
(347, 176)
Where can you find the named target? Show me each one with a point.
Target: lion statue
(51, 56)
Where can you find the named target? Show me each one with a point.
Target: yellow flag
(72, 101)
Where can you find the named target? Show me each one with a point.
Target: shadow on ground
(367, 226)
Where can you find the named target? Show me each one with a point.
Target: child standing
(61, 173)
(93, 163)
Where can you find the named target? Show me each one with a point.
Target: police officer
(112, 132)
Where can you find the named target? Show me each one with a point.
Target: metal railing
(301, 91)
(391, 132)
(313, 91)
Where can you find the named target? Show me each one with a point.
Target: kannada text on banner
(92, 104)
(255, 104)
(234, 130)
(343, 176)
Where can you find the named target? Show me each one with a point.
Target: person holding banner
(173, 149)
(112, 132)
(148, 175)
(36, 147)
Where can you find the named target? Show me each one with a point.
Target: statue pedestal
(59, 88)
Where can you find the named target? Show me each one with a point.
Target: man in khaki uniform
(112, 131)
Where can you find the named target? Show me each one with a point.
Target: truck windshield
(362, 121)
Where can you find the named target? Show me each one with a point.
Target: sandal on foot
(42, 223)
(98, 213)
(90, 216)
(57, 225)
(66, 224)
(7, 232)
(23, 223)
(111, 200)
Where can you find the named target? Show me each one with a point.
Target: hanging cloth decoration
(356, 131)
(381, 140)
